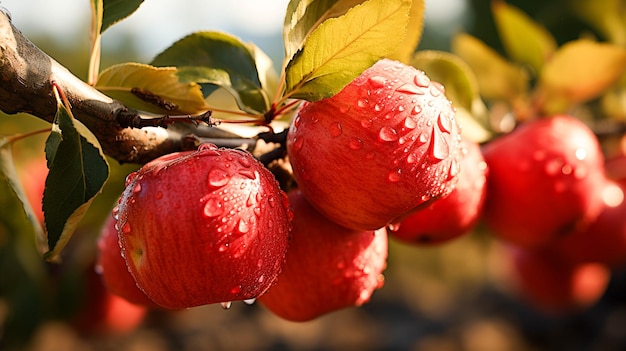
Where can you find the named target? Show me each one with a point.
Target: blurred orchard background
(458, 296)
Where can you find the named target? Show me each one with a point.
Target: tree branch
(26, 76)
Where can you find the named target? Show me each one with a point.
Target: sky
(159, 23)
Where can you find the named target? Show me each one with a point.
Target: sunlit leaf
(225, 53)
(78, 171)
(524, 40)
(117, 10)
(461, 88)
(497, 78)
(413, 35)
(341, 48)
(607, 16)
(152, 89)
(97, 12)
(579, 71)
(303, 16)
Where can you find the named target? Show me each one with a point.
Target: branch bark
(26, 76)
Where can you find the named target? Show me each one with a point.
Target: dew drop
(581, 154)
(421, 80)
(245, 161)
(377, 81)
(218, 177)
(387, 134)
(454, 170)
(355, 144)
(394, 176)
(236, 290)
(416, 110)
(297, 121)
(116, 212)
(213, 207)
(361, 103)
(248, 173)
(335, 129)
(410, 123)
(249, 301)
(223, 247)
(297, 143)
(410, 89)
(137, 188)
(344, 109)
(434, 91)
(243, 226)
(377, 108)
(411, 158)
(126, 228)
(438, 146)
(130, 177)
(226, 305)
(366, 123)
(207, 146)
(425, 198)
(444, 122)
(423, 138)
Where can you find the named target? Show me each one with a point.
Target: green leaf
(461, 88)
(152, 89)
(340, 49)
(413, 35)
(578, 72)
(224, 53)
(497, 78)
(524, 40)
(305, 15)
(17, 212)
(78, 171)
(117, 10)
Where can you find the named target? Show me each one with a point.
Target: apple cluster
(383, 158)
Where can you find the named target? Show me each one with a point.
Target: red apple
(604, 240)
(328, 267)
(455, 214)
(112, 266)
(383, 146)
(103, 312)
(545, 179)
(203, 227)
(554, 285)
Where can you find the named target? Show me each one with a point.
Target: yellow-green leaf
(524, 40)
(607, 16)
(303, 16)
(152, 89)
(580, 71)
(413, 34)
(341, 48)
(498, 79)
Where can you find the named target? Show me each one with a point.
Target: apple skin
(203, 227)
(453, 215)
(545, 179)
(556, 286)
(604, 240)
(328, 267)
(112, 267)
(383, 146)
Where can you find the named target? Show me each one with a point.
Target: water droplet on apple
(355, 143)
(297, 144)
(378, 108)
(243, 226)
(366, 123)
(445, 123)
(410, 123)
(394, 176)
(361, 103)
(207, 147)
(213, 207)
(421, 80)
(226, 305)
(126, 228)
(218, 177)
(236, 290)
(410, 89)
(116, 212)
(567, 169)
(137, 188)
(377, 81)
(271, 200)
(297, 121)
(223, 247)
(423, 138)
(434, 91)
(581, 154)
(335, 129)
(129, 178)
(387, 133)
(248, 173)
(439, 149)
(411, 158)
(249, 301)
